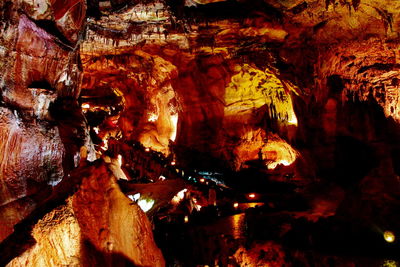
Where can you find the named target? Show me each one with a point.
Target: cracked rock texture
(39, 66)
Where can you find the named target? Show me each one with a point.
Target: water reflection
(228, 241)
(238, 225)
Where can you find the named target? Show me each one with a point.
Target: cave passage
(199, 133)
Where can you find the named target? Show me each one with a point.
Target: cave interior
(200, 133)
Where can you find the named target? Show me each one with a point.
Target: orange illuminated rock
(69, 17)
(362, 71)
(270, 149)
(98, 225)
(58, 242)
(113, 224)
(150, 103)
(39, 67)
(31, 158)
(226, 104)
(236, 84)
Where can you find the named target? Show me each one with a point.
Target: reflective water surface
(230, 241)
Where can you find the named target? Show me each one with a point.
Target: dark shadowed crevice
(42, 84)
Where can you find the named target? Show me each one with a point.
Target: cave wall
(151, 107)
(300, 48)
(262, 84)
(39, 66)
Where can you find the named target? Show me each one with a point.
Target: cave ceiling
(206, 74)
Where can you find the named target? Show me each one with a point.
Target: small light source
(389, 236)
(145, 204)
(186, 219)
(202, 180)
(252, 195)
(235, 205)
(147, 149)
(179, 196)
(85, 106)
(173, 163)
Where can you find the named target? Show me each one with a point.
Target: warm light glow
(202, 180)
(181, 193)
(252, 205)
(174, 120)
(186, 219)
(120, 160)
(162, 178)
(278, 151)
(152, 117)
(252, 88)
(145, 204)
(237, 225)
(235, 205)
(179, 196)
(252, 195)
(389, 236)
(173, 162)
(292, 119)
(389, 263)
(85, 106)
(196, 206)
(147, 149)
(96, 130)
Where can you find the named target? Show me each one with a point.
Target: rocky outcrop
(113, 224)
(58, 241)
(208, 77)
(26, 169)
(362, 71)
(98, 225)
(151, 106)
(39, 67)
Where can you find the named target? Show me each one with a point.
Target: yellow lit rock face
(251, 89)
(277, 151)
(270, 148)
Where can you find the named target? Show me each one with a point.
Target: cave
(199, 133)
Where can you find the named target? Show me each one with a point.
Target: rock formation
(304, 90)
